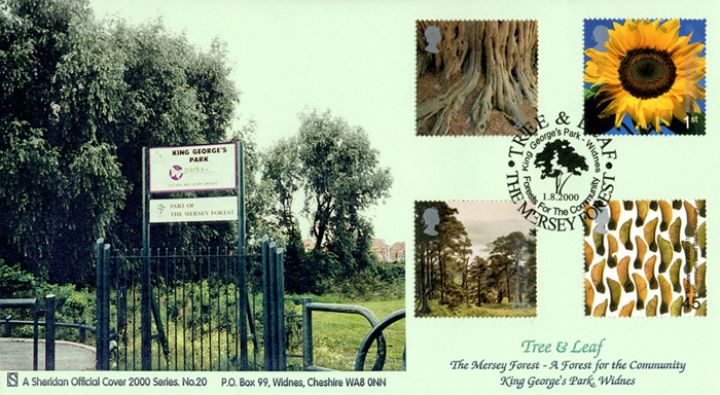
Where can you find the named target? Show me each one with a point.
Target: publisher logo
(12, 379)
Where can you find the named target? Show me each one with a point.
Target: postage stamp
(474, 259)
(644, 76)
(475, 77)
(646, 258)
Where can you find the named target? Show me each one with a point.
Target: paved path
(16, 354)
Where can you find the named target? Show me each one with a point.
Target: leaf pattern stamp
(649, 260)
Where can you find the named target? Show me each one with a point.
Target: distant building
(396, 252)
(379, 249)
(388, 254)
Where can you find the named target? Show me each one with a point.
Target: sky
(486, 221)
(290, 59)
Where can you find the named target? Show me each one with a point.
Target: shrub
(71, 305)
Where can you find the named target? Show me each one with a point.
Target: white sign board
(193, 168)
(193, 209)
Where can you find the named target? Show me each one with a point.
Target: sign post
(192, 169)
(146, 290)
(242, 280)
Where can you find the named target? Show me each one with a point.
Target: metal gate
(188, 310)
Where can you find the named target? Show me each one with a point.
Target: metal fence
(195, 310)
(49, 324)
(375, 334)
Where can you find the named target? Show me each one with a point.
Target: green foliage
(443, 250)
(78, 100)
(71, 305)
(480, 282)
(486, 310)
(320, 273)
(15, 282)
(282, 169)
(376, 282)
(334, 165)
(301, 272)
(342, 173)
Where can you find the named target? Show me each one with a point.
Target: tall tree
(452, 249)
(479, 286)
(557, 159)
(334, 166)
(465, 250)
(442, 251)
(343, 176)
(428, 217)
(282, 169)
(531, 277)
(505, 258)
(78, 101)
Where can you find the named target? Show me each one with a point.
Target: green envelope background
(358, 59)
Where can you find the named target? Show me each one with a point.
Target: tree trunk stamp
(475, 77)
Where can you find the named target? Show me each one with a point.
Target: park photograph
(474, 259)
(163, 208)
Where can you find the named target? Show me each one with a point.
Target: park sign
(193, 209)
(207, 167)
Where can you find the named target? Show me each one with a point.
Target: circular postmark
(557, 175)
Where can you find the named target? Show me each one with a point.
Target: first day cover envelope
(358, 197)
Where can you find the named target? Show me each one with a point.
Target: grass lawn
(210, 340)
(337, 336)
(487, 310)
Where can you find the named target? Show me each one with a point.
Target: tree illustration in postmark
(559, 160)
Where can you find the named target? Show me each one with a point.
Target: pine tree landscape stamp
(475, 77)
(474, 259)
(644, 76)
(647, 258)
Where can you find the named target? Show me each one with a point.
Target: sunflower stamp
(475, 77)
(474, 259)
(646, 258)
(644, 76)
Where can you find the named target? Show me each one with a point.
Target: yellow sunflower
(648, 71)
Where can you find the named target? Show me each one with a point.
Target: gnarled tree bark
(485, 66)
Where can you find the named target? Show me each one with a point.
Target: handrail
(20, 303)
(376, 332)
(308, 307)
(17, 303)
(86, 327)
